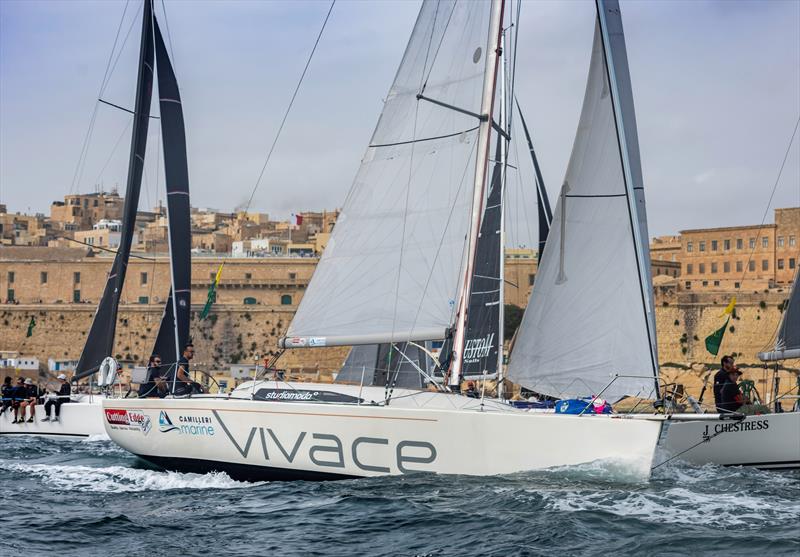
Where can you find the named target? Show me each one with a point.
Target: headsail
(391, 270)
(173, 332)
(100, 340)
(590, 313)
(483, 317)
(382, 365)
(787, 345)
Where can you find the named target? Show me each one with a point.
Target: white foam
(97, 438)
(117, 479)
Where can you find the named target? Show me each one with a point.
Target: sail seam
(601, 195)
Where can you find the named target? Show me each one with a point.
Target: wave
(119, 479)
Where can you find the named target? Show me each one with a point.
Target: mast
(503, 168)
(481, 166)
(634, 189)
(100, 340)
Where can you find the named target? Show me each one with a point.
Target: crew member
(31, 395)
(18, 394)
(721, 377)
(154, 384)
(7, 391)
(184, 384)
(62, 397)
(731, 398)
(471, 391)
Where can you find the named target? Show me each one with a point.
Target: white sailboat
(768, 441)
(399, 268)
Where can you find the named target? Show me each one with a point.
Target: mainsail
(483, 316)
(173, 333)
(787, 345)
(542, 201)
(393, 267)
(590, 315)
(100, 341)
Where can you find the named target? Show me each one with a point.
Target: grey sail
(787, 345)
(482, 341)
(173, 332)
(393, 268)
(542, 201)
(100, 340)
(590, 313)
(383, 365)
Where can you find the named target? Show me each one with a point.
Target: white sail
(589, 314)
(391, 270)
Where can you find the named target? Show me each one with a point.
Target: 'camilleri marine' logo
(165, 424)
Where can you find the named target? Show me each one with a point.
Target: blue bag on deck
(573, 406)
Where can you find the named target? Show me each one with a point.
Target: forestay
(589, 314)
(391, 269)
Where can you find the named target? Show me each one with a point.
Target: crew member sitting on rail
(7, 391)
(154, 385)
(31, 396)
(61, 397)
(183, 384)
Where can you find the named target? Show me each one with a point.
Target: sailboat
(84, 416)
(400, 268)
(766, 441)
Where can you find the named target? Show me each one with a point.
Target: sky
(716, 89)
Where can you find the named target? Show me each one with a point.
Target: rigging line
(169, 36)
(524, 203)
(769, 203)
(124, 109)
(289, 108)
(438, 47)
(94, 111)
(113, 151)
(428, 50)
(376, 145)
(104, 249)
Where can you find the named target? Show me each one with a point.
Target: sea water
(92, 498)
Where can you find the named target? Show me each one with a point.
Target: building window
(248, 276)
(716, 283)
(765, 242)
(76, 277)
(752, 243)
(739, 243)
(765, 264)
(144, 300)
(791, 262)
(43, 277)
(212, 275)
(143, 279)
(780, 264)
(751, 266)
(702, 268)
(791, 241)
(705, 283)
(689, 268)
(76, 296)
(739, 266)
(11, 277)
(292, 276)
(10, 295)
(689, 247)
(714, 244)
(780, 241)
(726, 267)
(727, 245)
(713, 268)
(286, 300)
(688, 285)
(702, 245)
(736, 285)
(531, 278)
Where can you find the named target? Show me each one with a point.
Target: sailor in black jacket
(64, 392)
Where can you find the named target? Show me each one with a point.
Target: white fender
(107, 374)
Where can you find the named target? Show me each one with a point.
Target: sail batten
(391, 270)
(588, 319)
(100, 340)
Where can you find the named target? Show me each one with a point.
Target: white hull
(770, 441)
(78, 420)
(417, 432)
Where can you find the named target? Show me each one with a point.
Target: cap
(29, 381)
(61, 376)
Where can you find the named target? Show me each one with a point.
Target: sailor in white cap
(61, 397)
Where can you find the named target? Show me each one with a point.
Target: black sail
(542, 202)
(173, 333)
(482, 338)
(100, 341)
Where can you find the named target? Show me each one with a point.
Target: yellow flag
(730, 308)
(219, 275)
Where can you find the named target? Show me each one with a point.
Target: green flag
(714, 340)
(212, 294)
(31, 325)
